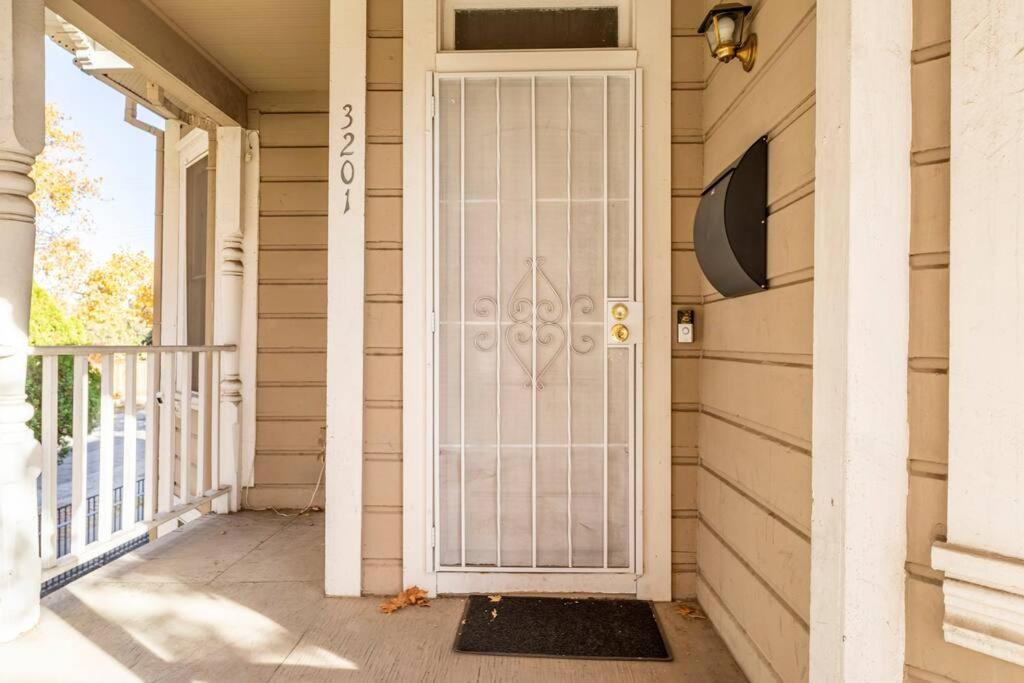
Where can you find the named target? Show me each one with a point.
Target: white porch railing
(181, 466)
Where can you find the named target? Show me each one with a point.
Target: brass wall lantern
(723, 27)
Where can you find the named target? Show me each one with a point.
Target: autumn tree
(117, 304)
(62, 268)
(62, 181)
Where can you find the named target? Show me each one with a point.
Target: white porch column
(861, 320)
(346, 209)
(21, 139)
(983, 557)
(227, 307)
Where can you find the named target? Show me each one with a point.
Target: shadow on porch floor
(240, 598)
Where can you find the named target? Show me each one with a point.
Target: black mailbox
(730, 230)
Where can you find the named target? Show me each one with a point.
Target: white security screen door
(537, 322)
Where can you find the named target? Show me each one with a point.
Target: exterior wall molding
(229, 271)
(984, 596)
(859, 432)
(419, 48)
(21, 139)
(983, 553)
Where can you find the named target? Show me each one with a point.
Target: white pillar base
(21, 138)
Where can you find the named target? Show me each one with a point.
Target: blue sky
(123, 156)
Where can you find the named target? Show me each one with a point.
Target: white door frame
(652, 39)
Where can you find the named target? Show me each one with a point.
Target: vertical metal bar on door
(568, 298)
(604, 190)
(533, 337)
(435, 351)
(636, 376)
(497, 313)
(462, 319)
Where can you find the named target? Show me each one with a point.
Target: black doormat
(583, 628)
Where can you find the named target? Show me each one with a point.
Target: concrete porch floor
(240, 598)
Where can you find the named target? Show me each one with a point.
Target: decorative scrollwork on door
(485, 307)
(546, 316)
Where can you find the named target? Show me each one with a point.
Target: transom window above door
(535, 24)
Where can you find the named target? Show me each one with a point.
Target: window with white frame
(196, 177)
(533, 25)
(193, 235)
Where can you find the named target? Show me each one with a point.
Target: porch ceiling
(264, 45)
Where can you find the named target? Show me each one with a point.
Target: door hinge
(433, 322)
(433, 106)
(433, 536)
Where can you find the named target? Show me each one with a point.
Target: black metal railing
(92, 517)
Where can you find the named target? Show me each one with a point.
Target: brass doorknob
(620, 311)
(620, 332)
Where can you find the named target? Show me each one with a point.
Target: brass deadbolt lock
(620, 333)
(620, 311)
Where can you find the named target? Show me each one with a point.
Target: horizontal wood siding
(382, 372)
(292, 309)
(687, 159)
(753, 394)
(292, 337)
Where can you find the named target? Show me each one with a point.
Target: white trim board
(346, 228)
(448, 8)
(983, 556)
(191, 149)
(861, 312)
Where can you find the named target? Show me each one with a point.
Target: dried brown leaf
(691, 612)
(414, 595)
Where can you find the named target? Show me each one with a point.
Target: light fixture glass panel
(726, 28)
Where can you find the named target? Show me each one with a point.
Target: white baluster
(185, 447)
(48, 528)
(152, 430)
(202, 428)
(80, 455)
(215, 459)
(165, 476)
(128, 466)
(105, 486)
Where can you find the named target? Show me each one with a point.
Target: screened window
(544, 28)
(195, 258)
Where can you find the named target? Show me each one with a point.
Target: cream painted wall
(292, 309)
(291, 368)
(382, 421)
(752, 399)
(688, 49)
(928, 655)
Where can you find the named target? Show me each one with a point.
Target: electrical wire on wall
(309, 506)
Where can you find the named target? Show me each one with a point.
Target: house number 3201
(348, 169)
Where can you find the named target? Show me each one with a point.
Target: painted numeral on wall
(348, 169)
